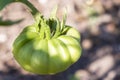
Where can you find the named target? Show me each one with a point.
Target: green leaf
(3, 3)
(8, 22)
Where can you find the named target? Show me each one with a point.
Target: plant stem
(33, 10)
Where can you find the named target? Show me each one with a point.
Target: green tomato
(47, 47)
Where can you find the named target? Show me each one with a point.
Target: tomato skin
(44, 56)
(47, 55)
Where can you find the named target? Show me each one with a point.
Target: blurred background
(98, 22)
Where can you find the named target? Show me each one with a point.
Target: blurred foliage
(8, 22)
(4, 3)
(72, 77)
(91, 12)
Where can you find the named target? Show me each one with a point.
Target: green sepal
(64, 20)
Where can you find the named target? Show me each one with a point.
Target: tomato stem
(32, 9)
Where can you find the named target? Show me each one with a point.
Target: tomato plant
(46, 47)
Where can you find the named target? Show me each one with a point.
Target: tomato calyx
(52, 27)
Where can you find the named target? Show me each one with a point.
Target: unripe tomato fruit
(47, 47)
